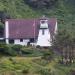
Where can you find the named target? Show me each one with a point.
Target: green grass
(29, 66)
(33, 64)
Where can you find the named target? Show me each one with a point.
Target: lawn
(32, 66)
(33, 62)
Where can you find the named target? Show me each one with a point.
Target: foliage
(65, 43)
(48, 55)
(17, 47)
(43, 4)
(4, 15)
(19, 50)
(44, 71)
(1, 29)
(20, 9)
(7, 50)
(25, 71)
(31, 51)
(26, 65)
(41, 62)
(72, 72)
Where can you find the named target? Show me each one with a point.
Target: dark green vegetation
(41, 4)
(64, 42)
(18, 50)
(63, 10)
(1, 29)
(34, 66)
(21, 60)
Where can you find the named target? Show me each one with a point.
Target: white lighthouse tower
(44, 37)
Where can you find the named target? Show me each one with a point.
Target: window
(11, 41)
(32, 40)
(21, 40)
(43, 32)
(2, 41)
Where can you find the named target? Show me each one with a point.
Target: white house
(30, 31)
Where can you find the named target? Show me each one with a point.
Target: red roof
(24, 28)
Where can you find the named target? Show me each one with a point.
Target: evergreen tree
(43, 4)
(65, 43)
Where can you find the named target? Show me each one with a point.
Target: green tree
(1, 30)
(4, 15)
(41, 3)
(64, 42)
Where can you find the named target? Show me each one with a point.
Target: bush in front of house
(7, 50)
(31, 51)
(48, 55)
(17, 49)
(26, 50)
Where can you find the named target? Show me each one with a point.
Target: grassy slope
(33, 65)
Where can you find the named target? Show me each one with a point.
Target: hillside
(63, 10)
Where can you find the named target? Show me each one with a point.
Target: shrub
(30, 51)
(43, 71)
(25, 71)
(48, 55)
(7, 50)
(17, 49)
(40, 62)
(72, 72)
(3, 48)
(11, 59)
(38, 46)
(43, 4)
(26, 50)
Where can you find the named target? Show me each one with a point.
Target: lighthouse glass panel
(43, 24)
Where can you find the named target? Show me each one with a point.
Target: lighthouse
(44, 37)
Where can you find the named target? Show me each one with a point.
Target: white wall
(44, 40)
(7, 32)
(56, 28)
(25, 41)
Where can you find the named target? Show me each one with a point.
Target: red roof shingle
(23, 28)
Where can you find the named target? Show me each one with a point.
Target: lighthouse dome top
(44, 22)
